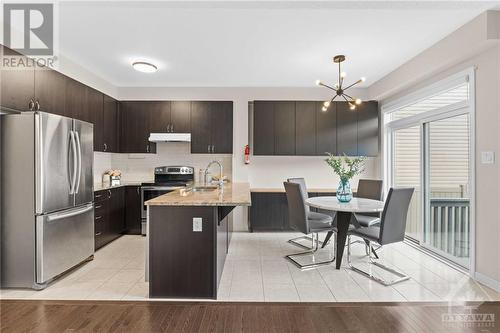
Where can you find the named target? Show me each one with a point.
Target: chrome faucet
(221, 181)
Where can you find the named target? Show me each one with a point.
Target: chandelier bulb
(326, 104)
(343, 74)
(324, 108)
(358, 101)
(318, 82)
(363, 79)
(352, 106)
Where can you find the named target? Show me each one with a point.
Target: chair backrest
(297, 215)
(303, 188)
(370, 189)
(393, 221)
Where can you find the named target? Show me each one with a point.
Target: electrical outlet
(197, 224)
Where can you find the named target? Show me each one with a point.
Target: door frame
(460, 108)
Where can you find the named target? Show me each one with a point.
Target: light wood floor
(130, 316)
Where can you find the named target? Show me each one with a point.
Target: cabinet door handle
(98, 206)
(98, 195)
(109, 194)
(31, 105)
(138, 190)
(213, 148)
(105, 147)
(171, 127)
(208, 148)
(98, 218)
(37, 105)
(98, 233)
(147, 148)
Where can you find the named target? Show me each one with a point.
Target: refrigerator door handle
(72, 213)
(73, 150)
(79, 147)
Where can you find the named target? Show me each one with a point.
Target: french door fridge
(47, 193)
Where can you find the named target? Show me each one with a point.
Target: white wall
(102, 163)
(441, 60)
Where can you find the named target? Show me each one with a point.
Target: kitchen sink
(208, 188)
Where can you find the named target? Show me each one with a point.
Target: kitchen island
(189, 231)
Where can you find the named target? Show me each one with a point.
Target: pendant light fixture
(340, 90)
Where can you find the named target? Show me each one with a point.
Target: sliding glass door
(406, 173)
(428, 147)
(446, 228)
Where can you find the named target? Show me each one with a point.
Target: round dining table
(344, 210)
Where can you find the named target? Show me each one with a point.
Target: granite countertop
(101, 187)
(282, 190)
(232, 194)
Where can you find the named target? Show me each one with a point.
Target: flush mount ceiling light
(340, 89)
(144, 67)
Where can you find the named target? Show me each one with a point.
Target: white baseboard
(487, 281)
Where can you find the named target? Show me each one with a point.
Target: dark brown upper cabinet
(50, 91)
(201, 127)
(212, 127)
(368, 128)
(17, 81)
(135, 127)
(95, 115)
(302, 128)
(159, 116)
(347, 130)
(326, 129)
(222, 127)
(180, 116)
(110, 125)
(76, 100)
(263, 128)
(284, 128)
(305, 128)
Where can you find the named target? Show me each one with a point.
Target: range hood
(170, 137)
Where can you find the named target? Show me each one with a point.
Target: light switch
(197, 224)
(488, 157)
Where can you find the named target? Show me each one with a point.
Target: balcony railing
(449, 226)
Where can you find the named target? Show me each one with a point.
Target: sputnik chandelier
(339, 87)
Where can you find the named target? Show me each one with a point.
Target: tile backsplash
(140, 167)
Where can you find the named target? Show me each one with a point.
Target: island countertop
(232, 194)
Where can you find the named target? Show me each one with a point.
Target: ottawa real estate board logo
(28, 28)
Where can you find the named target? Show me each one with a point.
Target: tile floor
(255, 270)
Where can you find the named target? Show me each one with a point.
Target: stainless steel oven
(167, 179)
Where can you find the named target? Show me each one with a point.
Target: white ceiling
(251, 43)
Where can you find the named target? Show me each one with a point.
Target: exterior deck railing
(449, 226)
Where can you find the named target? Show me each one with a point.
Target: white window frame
(459, 108)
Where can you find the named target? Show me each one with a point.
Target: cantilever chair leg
(400, 276)
(312, 251)
(294, 242)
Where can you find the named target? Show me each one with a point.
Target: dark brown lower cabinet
(133, 210)
(269, 211)
(109, 215)
(184, 263)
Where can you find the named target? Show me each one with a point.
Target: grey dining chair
(310, 215)
(300, 221)
(391, 230)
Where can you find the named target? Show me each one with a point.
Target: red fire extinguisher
(247, 154)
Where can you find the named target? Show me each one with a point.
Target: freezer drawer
(63, 240)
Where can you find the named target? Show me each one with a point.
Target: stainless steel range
(167, 179)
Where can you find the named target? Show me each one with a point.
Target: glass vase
(344, 192)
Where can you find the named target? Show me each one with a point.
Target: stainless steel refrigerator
(47, 212)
